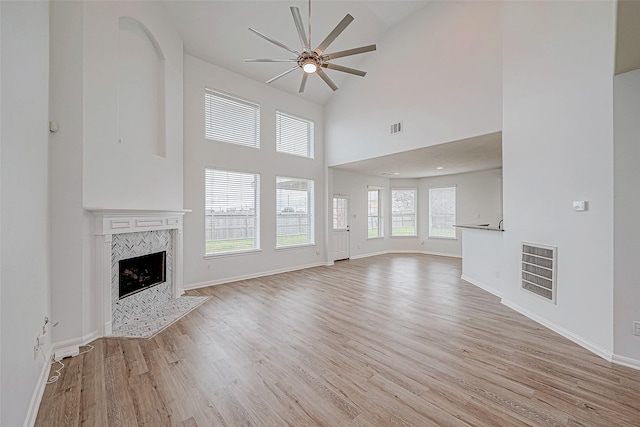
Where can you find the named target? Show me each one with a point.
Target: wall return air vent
(539, 270)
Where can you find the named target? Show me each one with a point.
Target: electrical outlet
(636, 328)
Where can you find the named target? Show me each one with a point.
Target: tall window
(230, 119)
(294, 135)
(294, 211)
(374, 217)
(403, 212)
(232, 211)
(442, 212)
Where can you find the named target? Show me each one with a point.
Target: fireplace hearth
(143, 272)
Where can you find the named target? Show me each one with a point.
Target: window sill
(304, 245)
(405, 237)
(231, 253)
(375, 238)
(442, 238)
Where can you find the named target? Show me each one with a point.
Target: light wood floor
(383, 341)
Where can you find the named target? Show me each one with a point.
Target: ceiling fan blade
(349, 52)
(344, 69)
(327, 80)
(334, 34)
(270, 60)
(282, 75)
(297, 19)
(303, 83)
(277, 43)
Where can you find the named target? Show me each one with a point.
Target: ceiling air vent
(396, 128)
(539, 270)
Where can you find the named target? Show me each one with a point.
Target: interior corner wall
(24, 199)
(119, 173)
(68, 250)
(439, 72)
(557, 148)
(200, 153)
(626, 214)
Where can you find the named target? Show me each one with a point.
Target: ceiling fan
(313, 61)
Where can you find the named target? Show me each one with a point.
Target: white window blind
(294, 135)
(231, 120)
(232, 211)
(294, 211)
(403, 212)
(374, 223)
(442, 212)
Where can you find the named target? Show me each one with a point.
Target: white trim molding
(565, 333)
(626, 361)
(481, 286)
(119, 221)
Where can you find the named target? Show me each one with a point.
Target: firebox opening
(143, 272)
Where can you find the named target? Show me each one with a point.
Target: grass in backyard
(403, 231)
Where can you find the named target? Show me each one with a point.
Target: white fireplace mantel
(118, 221)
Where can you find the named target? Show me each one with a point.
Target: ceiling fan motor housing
(307, 58)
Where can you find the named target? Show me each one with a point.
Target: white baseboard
(481, 286)
(438, 254)
(367, 255)
(565, 333)
(36, 398)
(370, 254)
(626, 361)
(44, 375)
(250, 276)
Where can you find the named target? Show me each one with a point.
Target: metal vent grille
(396, 128)
(539, 270)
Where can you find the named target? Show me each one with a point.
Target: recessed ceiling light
(396, 173)
(440, 167)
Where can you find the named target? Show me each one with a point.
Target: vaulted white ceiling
(217, 32)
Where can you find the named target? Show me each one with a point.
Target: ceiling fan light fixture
(309, 66)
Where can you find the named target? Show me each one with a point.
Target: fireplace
(121, 235)
(142, 272)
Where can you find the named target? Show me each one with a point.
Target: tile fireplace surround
(123, 233)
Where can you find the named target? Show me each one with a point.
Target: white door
(340, 227)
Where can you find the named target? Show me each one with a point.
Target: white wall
(355, 185)
(558, 147)
(126, 174)
(89, 168)
(483, 259)
(200, 153)
(24, 266)
(68, 250)
(439, 72)
(478, 200)
(626, 214)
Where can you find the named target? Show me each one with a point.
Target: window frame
(310, 207)
(455, 208)
(238, 100)
(415, 211)
(379, 216)
(257, 215)
(310, 134)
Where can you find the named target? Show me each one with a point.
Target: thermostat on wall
(580, 205)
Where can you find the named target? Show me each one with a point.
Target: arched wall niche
(141, 89)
